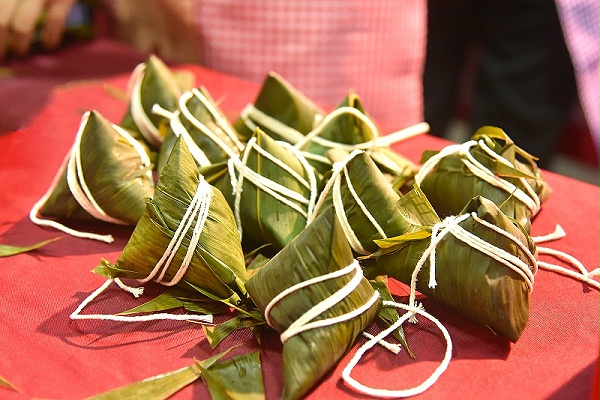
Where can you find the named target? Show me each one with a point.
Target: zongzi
(206, 131)
(313, 293)
(488, 165)
(271, 188)
(187, 236)
(106, 176)
(480, 263)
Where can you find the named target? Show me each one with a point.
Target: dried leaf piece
(161, 386)
(7, 385)
(293, 289)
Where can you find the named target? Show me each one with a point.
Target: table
(44, 354)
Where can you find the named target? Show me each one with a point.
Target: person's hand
(18, 19)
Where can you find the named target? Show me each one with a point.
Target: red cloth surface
(47, 355)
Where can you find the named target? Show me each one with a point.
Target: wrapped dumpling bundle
(150, 83)
(479, 263)
(207, 133)
(280, 110)
(106, 176)
(313, 293)
(186, 237)
(365, 203)
(271, 188)
(348, 127)
(488, 165)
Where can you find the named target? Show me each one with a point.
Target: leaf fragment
(7, 250)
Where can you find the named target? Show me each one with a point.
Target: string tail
(386, 393)
(76, 315)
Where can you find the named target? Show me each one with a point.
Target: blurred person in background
(323, 47)
(524, 79)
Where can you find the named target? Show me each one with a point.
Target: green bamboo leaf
(158, 387)
(390, 315)
(164, 301)
(239, 378)
(161, 386)
(215, 335)
(6, 384)
(403, 239)
(7, 250)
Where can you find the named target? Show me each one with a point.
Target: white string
(137, 318)
(76, 182)
(530, 199)
(385, 393)
(583, 275)
(179, 130)
(141, 119)
(558, 233)
(282, 193)
(298, 139)
(197, 209)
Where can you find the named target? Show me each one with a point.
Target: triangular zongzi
(187, 236)
(313, 293)
(480, 263)
(106, 176)
(489, 165)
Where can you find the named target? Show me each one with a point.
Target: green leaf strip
(8, 250)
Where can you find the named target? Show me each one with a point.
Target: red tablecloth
(47, 355)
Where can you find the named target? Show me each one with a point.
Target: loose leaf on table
(215, 335)
(390, 315)
(161, 386)
(7, 250)
(239, 378)
(6, 384)
(176, 298)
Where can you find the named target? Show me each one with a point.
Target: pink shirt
(324, 48)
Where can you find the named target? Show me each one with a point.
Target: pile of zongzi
(266, 216)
